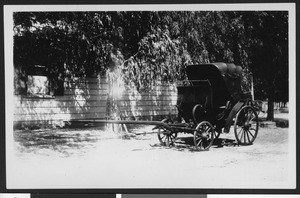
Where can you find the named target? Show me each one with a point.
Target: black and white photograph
(169, 96)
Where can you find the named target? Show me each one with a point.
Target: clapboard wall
(82, 99)
(154, 103)
(89, 98)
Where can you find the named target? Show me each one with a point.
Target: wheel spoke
(173, 137)
(241, 137)
(239, 133)
(208, 129)
(251, 134)
(171, 140)
(248, 136)
(168, 141)
(252, 117)
(200, 141)
(199, 138)
(163, 138)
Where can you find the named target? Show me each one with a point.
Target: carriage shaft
(139, 122)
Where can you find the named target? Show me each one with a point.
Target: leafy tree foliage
(159, 58)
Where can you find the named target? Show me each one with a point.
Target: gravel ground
(97, 158)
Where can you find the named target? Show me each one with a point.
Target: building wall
(82, 99)
(152, 104)
(91, 98)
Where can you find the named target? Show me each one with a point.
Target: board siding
(88, 99)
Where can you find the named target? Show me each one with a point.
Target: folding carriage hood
(224, 78)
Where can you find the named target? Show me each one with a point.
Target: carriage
(209, 103)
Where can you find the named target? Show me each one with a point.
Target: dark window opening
(37, 81)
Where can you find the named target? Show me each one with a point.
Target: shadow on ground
(187, 144)
(59, 140)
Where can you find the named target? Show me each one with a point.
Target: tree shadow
(58, 140)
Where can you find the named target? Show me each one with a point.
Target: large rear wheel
(246, 125)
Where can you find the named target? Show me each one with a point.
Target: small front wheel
(204, 136)
(165, 136)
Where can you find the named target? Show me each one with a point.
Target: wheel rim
(246, 125)
(166, 137)
(204, 136)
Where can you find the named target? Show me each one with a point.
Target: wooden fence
(89, 99)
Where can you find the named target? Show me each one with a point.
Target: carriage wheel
(204, 136)
(246, 125)
(165, 136)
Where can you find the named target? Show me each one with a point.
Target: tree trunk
(270, 115)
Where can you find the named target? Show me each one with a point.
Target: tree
(61, 41)
(269, 55)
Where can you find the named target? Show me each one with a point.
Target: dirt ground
(97, 158)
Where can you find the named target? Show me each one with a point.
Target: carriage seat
(223, 110)
(213, 115)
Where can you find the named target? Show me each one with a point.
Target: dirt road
(93, 158)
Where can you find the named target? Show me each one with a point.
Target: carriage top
(224, 78)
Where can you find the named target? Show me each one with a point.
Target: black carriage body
(210, 100)
(210, 88)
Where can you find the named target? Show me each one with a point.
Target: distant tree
(268, 32)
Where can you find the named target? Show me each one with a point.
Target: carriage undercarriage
(245, 128)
